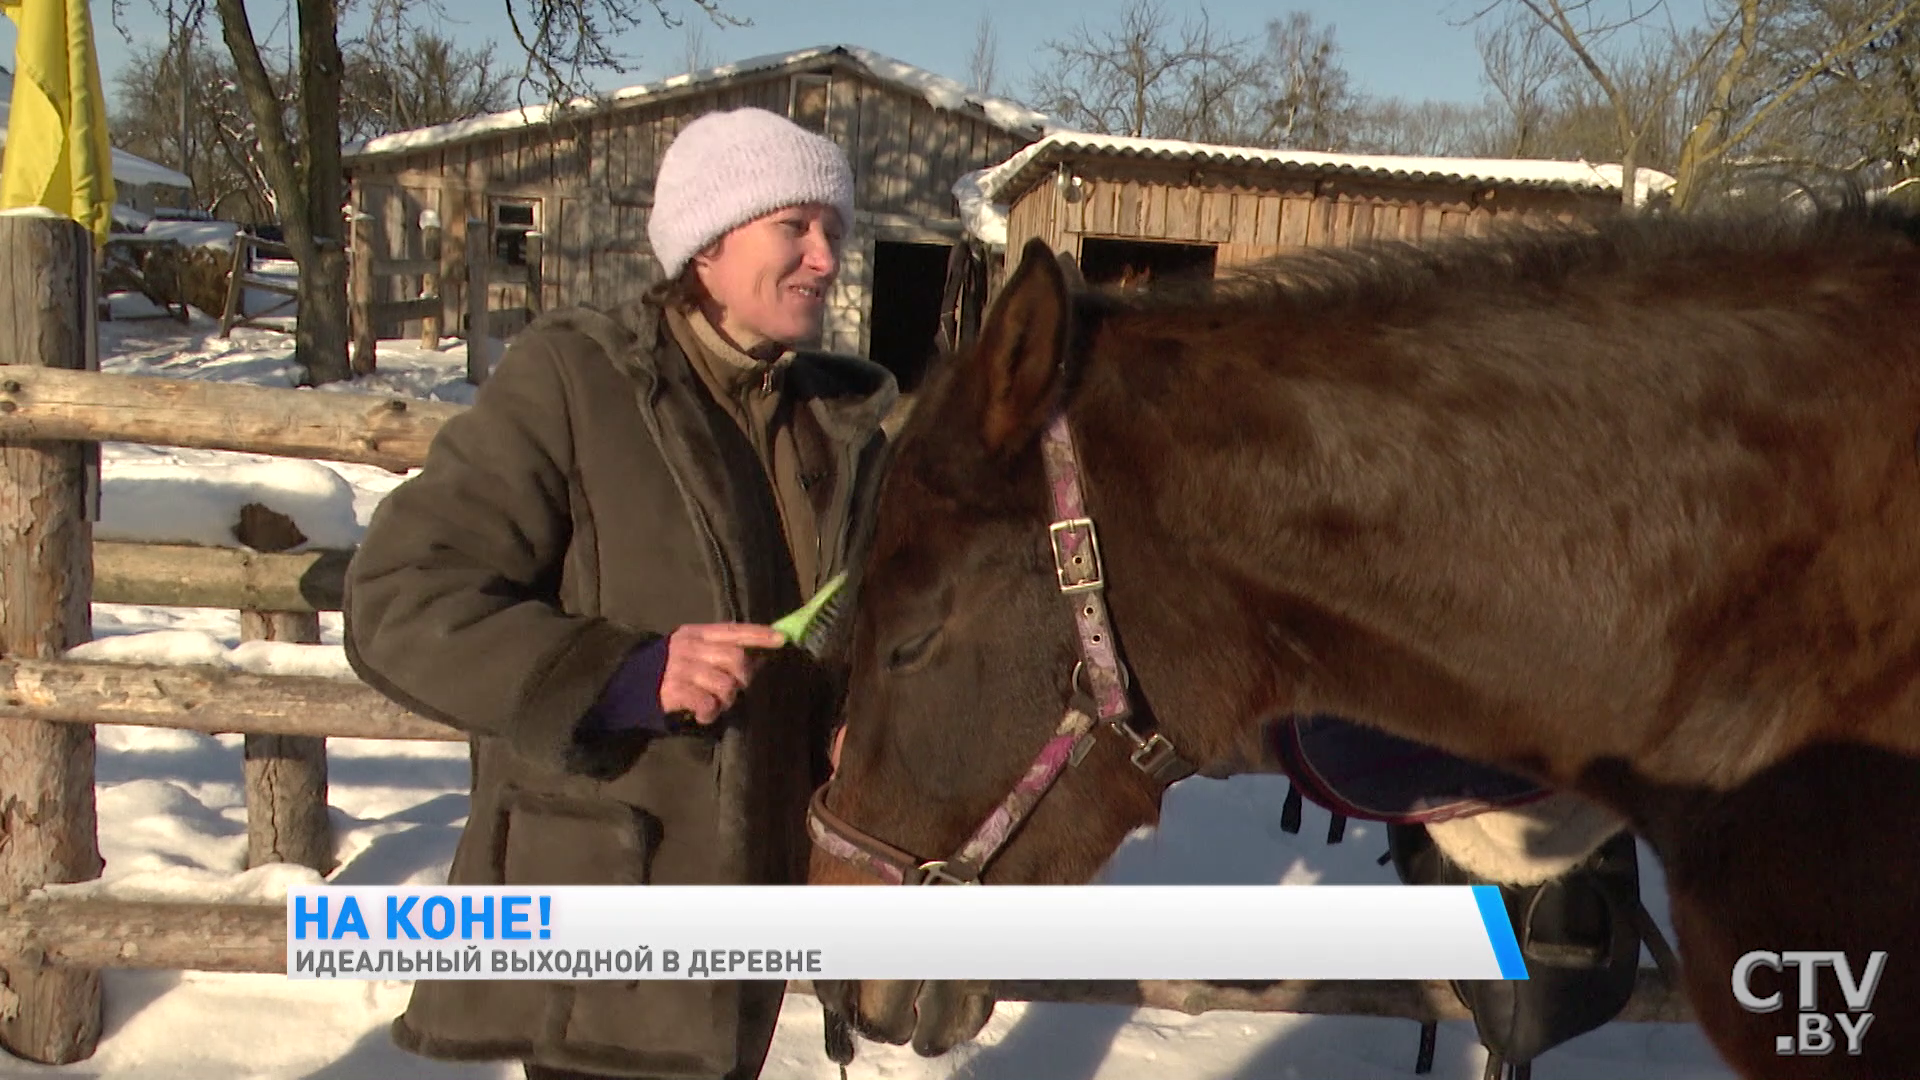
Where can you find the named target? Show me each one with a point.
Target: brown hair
(681, 291)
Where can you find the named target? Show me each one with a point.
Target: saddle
(1580, 929)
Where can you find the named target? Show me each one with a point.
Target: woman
(580, 578)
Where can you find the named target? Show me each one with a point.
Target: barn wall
(590, 182)
(1253, 214)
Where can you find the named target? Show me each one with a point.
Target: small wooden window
(807, 101)
(513, 219)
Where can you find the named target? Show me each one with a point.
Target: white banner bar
(881, 932)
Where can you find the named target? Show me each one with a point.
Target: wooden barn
(571, 189)
(1129, 207)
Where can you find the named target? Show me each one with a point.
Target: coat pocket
(666, 1028)
(547, 839)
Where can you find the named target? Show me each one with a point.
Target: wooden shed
(580, 182)
(1125, 206)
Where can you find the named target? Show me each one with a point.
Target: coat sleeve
(451, 606)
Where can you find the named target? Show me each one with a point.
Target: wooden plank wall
(592, 183)
(1251, 216)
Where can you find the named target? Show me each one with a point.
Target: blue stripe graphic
(1506, 948)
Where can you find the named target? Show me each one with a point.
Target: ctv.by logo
(1813, 1034)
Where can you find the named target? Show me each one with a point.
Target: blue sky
(1407, 48)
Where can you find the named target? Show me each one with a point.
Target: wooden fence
(247, 248)
(367, 269)
(50, 570)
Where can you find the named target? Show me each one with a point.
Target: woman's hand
(708, 665)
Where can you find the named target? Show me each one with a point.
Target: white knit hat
(727, 168)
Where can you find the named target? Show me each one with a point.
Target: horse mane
(1386, 278)
(1386, 283)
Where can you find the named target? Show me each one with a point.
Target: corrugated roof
(1022, 170)
(939, 91)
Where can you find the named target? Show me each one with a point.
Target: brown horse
(1632, 510)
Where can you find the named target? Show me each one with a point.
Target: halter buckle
(1078, 570)
(1154, 755)
(934, 872)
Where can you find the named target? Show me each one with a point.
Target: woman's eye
(908, 652)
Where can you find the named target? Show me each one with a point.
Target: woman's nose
(822, 254)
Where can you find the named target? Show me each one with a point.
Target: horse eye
(912, 650)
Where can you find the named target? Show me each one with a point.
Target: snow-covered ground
(173, 826)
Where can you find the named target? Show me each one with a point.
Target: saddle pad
(1367, 774)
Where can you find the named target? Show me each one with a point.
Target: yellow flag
(57, 153)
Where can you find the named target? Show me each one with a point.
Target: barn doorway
(909, 283)
(1105, 261)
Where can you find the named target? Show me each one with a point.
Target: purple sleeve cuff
(631, 699)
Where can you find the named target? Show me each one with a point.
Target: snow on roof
(127, 168)
(981, 194)
(134, 169)
(939, 91)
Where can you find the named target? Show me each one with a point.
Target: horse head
(967, 665)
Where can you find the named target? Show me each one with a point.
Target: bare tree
(401, 75)
(1588, 35)
(1217, 95)
(695, 53)
(302, 163)
(185, 20)
(1721, 87)
(1520, 64)
(297, 126)
(1131, 79)
(1786, 58)
(983, 65)
(1304, 98)
(1861, 115)
(224, 161)
(567, 41)
(1422, 128)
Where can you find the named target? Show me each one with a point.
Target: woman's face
(767, 280)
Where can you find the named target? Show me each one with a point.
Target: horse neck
(1263, 526)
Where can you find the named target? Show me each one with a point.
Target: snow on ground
(173, 826)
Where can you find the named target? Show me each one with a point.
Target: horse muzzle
(934, 1016)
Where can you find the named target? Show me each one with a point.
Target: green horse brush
(810, 626)
(807, 628)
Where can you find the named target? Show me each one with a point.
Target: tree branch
(277, 157)
(1895, 13)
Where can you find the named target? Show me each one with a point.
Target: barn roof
(981, 193)
(938, 90)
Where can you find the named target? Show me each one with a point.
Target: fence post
(287, 818)
(479, 341)
(47, 815)
(361, 279)
(430, 281)
(286, 774)
(236, 292)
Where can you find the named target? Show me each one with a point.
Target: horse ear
(1070, 272)
(1019, 361)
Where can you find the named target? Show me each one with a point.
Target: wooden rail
(203, 698)
(186, 575)
(38, 403)
(253, 937)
